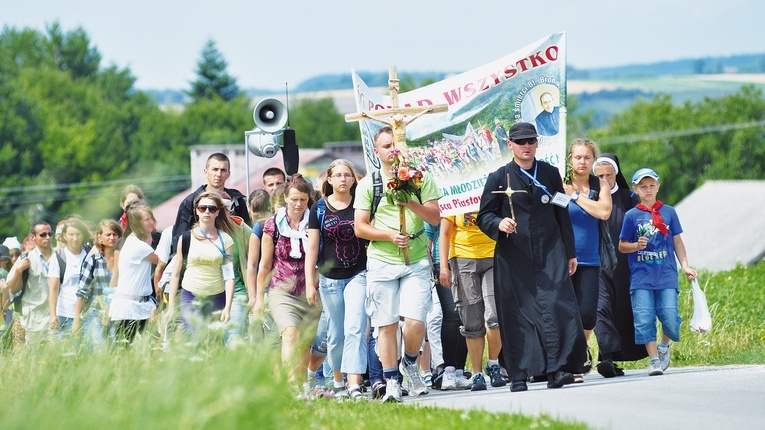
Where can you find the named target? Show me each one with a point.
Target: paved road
(726, 397)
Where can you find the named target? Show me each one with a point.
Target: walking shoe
(654, 367)
(392, 392)
(342, 396)
(320, 392)
(587, 363)
(305, 392)
(378, 390)
(479, 383)
(495, 375)
(519, 385)
(607, 369)
(449, 379)
(559, 379)
(619, 370)
(438, 379)
(463, 383)
(415, 384)
(356, 395)
(578, 378)
(428, 378)
(664, 357)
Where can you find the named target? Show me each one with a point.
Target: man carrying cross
(537, 308)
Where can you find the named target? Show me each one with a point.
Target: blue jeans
(319, 344)
(64, 326)
(93, 330)
(343, 299)
(375, 367)
(647, 305)
(237, 326)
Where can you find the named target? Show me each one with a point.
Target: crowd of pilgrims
(278, 267)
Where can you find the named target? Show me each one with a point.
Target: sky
(272, 43)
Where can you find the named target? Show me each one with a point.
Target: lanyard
(534, 178)
(220, 248)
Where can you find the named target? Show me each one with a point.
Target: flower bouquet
(406, 179)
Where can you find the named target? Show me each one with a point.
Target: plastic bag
(701, 320)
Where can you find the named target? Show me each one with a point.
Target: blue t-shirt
(652, 268)
(586, 235)
(434, 233)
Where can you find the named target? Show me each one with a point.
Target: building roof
(722, 226)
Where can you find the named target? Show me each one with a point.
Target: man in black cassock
(534, 259)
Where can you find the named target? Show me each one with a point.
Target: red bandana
(656, 218)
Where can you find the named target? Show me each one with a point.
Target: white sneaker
(392, 392)
(654, 368)
(448, 379)
(415, 384)
(462, 382)
(664, 357)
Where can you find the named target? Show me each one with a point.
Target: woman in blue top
(590, 204)
(340, 258)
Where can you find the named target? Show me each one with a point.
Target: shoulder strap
(24, 283)
(61, 263)
(185, 244)
(321, 210)
(595, 186)
(276, 230)
(377, 189)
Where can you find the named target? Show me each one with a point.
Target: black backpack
(24, 282)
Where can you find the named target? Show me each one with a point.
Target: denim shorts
(647, 305)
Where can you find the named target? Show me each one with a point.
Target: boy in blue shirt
(651, 237)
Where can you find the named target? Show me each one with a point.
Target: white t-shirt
(67, 295)
(165, 245)
(134, 281)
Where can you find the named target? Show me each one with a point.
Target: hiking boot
(392, 392)
(654, 367)
(664, 357)
(495, 375)
(479, 383)
(449, 379)
(559, 379)
(518, 386)
(587, 363)
(415, 384)
(607, 369)
(462, 382)
(378, 390)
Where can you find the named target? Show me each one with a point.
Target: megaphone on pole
(270, 115)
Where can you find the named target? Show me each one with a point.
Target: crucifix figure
(509, 193)
(397, 118)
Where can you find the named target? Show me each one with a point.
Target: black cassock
(539, 320)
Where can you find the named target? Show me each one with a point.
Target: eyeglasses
(529, 141)
(207, 208)
(342, 175)
(46, 234)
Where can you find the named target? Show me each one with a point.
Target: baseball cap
(5, 253)
(645, 172)
(522, 130)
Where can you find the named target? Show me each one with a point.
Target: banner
(462, 146)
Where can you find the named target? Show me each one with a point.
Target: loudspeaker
(270, 115)
(290, 152)
(262, 144)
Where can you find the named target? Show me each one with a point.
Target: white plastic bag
(701, 321)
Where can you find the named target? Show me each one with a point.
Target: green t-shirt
(386, 218)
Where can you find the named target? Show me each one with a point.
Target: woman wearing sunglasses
(208, 281)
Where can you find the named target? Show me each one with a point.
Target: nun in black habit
(534, 258)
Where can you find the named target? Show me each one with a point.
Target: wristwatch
(575, 196)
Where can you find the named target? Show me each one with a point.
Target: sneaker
(559, 379)
(462, 382)
(378, 389)
(415, 384)
(356, 395)
(619, 370)
(320, 392)
(495, 375)
(587, 363)
(305, 392)
(342, 396)
(607, 369)
(438, 379)
(664, 357)
(519, 385)
(392, 392)
(578, 378)
(428, 378)
(654, 367)
(449, 379)
(479, 383)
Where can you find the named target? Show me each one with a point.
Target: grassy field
(193, 387)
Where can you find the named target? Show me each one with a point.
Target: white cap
(12, 243)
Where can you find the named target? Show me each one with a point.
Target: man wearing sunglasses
(523, 208)
(28, 284)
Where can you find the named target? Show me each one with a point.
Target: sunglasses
(46, 234)
(207, 208)
(529, 141)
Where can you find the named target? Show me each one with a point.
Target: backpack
(24, 282)
(321, 210)
(377, 193)
(62, 261)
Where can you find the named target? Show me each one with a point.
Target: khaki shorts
(293, 311)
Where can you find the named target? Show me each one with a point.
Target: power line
(632, 138)
(53, 187)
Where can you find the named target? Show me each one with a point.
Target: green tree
(213, 81)
(317, 121)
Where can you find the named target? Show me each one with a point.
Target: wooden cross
(397, 117)
(509, 193)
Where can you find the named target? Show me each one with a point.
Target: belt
(140, 299)
(416, 235)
